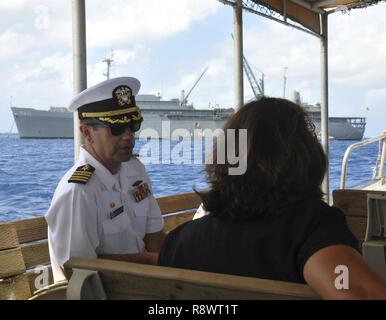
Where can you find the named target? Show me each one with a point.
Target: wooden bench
(23, 243)
(354, 205)
(106, 279)
(24, 246)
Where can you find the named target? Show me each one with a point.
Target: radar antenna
(284, 81)
(108, 61)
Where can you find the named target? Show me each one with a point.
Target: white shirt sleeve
(155, 221)
(72, 224)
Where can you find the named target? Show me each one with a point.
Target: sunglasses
(119, 129)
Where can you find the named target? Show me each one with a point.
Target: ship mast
(284, 81)
(108, 61)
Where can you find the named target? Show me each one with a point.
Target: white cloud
(12, 5)
(375, 105)
(56, 66)
(129, 22)
(14, 44)
(124, 56)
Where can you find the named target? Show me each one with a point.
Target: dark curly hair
(285, 163)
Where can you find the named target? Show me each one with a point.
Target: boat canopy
(305, 12)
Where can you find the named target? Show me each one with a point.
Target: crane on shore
(256, 86)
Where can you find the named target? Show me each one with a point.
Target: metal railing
(379, 166)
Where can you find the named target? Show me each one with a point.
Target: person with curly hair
(271, 221)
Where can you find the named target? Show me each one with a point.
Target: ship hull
(343, 128)
(40, 124)
(37, 124)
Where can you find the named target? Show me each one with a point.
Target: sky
(167, 44)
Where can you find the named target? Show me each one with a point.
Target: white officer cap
(111, 101)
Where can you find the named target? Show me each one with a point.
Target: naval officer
(103, 206)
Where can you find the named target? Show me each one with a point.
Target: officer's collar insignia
(82, 174)
(122, 95)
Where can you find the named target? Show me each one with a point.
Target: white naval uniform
(79, 223)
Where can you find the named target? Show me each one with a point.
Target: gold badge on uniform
(141, 190)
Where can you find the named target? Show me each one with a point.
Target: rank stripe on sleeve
(82, 174)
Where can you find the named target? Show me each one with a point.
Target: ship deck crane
(184, 99)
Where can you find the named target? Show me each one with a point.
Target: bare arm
(153, 243)
(364, 283)
(142, 257)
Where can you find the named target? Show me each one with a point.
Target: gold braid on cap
(125, 119)
(109, 113)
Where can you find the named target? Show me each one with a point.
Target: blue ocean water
(30, 170)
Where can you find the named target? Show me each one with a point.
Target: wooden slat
(31, 229)
(294, 11)
(179, 202)
(11, 263)
(353, 202)
(36, 254)
(173, 221)
(8, 236)
(32, 277)
(16, 288)
(123, 280)
(357, 225)
(57, 291)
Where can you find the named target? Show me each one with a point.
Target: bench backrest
(354, 205)
(23, 243)
(124, 280)
(24, 246)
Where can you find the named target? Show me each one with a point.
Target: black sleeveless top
(275, 247)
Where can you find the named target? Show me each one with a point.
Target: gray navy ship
(58, 122)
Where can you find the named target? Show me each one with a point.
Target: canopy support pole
(238, 53)
(79, 61)
(324, 100)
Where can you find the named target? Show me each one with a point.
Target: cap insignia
(82, 174)
(123, 95)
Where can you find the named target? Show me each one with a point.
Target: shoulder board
(82, 174)
(135, 155)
